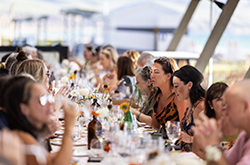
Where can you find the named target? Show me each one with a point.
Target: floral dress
(126, 86)
(228, 141)
(186, 123)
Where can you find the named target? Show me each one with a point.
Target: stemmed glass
(173, 131)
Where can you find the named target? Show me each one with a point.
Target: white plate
(59, 132)
(58, 142)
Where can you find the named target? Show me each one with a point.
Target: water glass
(173, 131)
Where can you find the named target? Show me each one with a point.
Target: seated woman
(28, 115)
(143, 82)
(21, 56)
(187, 87)
(167, 106)
(39, 71)
(92, 65)
(215, 108)
(108, 60)
(126, 77)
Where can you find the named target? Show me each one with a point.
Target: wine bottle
(128, 119)
(93, 125)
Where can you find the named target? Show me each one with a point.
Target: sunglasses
(48, 74)
(46, 98)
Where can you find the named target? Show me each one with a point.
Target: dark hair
(3, 71)
(20, 58)
(3, 80)
(95, 51)
(167, 66)
(20, 87)
(125, 67)
(89, 48)
(10, 60)
(216, 90)
(4, 58)
(189, 73)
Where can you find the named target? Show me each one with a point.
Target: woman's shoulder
(26, 137)
(200, 105)
(129, 79)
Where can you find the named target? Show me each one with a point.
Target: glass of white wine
(173, 132)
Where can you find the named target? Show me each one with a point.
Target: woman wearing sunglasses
(28, 114)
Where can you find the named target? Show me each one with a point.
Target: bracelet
(213, 153)
(138, 116)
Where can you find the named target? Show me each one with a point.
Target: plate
(141, 124)
(58, 142)
(59, 132)
(83, 153)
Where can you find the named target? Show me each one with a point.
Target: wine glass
(173, 132)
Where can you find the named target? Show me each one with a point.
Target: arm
(154, 123)
(110, 79)
(65, 152)
(207, 132)
(196, 149)
(118, 102)
(142, 117)
(63, 157)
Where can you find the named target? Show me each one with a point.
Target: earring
(212, 108)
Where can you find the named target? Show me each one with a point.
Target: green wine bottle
(128, 119)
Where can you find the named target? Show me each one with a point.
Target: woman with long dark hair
(167, 106)
(187, 86)
(125, 76)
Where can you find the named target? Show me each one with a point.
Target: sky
(199, 27)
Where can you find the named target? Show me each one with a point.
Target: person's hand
(70, 114)
(133, 104)
(50, 129)
(207, 132)
(11, 148)
(63, 91)
(108, 76)
(135, 111)
(185, 137)
(54, 124)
